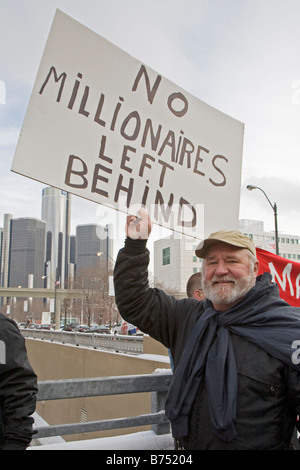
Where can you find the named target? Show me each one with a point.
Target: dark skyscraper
(27, 252)
(91, 240)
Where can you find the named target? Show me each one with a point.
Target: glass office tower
(56, 209)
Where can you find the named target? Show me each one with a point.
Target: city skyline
(105, 216)
(26, 252)
(240, 57)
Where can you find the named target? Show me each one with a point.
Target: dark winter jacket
(18, 388)
(269, 390)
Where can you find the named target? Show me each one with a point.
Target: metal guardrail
(157, 384)
(122, 343)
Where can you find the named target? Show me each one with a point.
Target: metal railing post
(158, 400)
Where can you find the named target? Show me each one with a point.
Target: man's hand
(139, 227)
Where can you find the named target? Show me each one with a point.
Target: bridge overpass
(51, 293)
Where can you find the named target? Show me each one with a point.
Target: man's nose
(221, 268)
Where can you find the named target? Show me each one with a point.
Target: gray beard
(228, 295)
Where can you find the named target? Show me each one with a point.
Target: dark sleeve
(150, 309)
(294, 391)
(18, 387)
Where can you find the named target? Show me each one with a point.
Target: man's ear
(198, 294)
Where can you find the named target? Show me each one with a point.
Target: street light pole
(100, 253)
(250, 187)
(56, 310)
(111, 289)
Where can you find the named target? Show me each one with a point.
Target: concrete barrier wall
(53, 361)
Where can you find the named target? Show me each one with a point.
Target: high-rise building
(174, 262)
(5, 250)
(72, 249)
(4, 254)
(27, 252)
(91, 241)
(289, 245)
(56, 208)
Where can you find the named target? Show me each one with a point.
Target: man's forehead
(224, 248)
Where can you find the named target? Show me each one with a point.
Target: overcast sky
(240, 56)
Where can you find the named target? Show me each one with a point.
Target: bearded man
(235, 384)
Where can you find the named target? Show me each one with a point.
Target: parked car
(82, 328)
(45, 327)
(100, 329)
(68, 328)
(34, 326)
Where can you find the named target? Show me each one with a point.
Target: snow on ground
(145, 440)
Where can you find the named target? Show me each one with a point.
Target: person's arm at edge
(18, 389)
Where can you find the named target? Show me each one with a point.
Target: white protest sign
(104, 126)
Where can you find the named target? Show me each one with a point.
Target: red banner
(285, 272)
